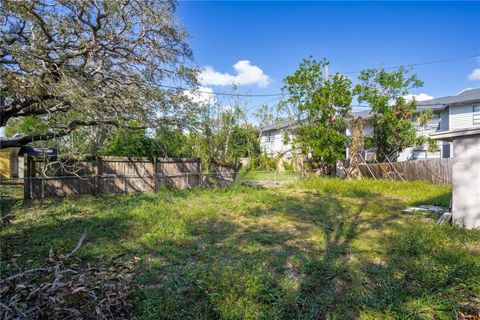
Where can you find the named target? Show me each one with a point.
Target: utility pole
(326, 72)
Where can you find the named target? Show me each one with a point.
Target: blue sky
(275, 36)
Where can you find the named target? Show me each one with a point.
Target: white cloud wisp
(201, 95)
(418, 97)
(475, 75)
(247, 74)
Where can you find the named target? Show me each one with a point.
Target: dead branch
(79, 244)
(61, 289)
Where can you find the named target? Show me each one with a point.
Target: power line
(234, 94)
(223, 93)
(418, 64)
(261, 104)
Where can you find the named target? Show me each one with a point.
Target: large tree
(76, 63)
(323, 106)
(392, 113)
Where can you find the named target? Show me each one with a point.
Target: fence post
(154, 173)
(95, 176)
(199, 173)
(124, 179)
(27, 174)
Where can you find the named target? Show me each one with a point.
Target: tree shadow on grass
(265, 270)
(307, 255)
(61, 223)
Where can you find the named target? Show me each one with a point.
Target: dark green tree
(173, 143)
(392, 114)
(244, 142)
(129, 143)
(323, 106)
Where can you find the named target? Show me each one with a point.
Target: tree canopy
(85, 63)
(392, 113)
(323, 105)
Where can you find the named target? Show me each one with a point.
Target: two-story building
(277, 139)
(449, 113)
(461, 111)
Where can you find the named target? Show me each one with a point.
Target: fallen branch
(79, 244)
(61, 289)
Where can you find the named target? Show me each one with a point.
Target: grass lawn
(258, 176)
(314, 249)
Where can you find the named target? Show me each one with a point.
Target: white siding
(367, 130)
(419, 153)
(461, 116)
(272, 142)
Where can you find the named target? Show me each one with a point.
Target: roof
(362, 114)
(457, 133)
(277, 126)
(284, 124)
(38, 151)
(467, 95)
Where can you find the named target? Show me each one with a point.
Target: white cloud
(475, 75)
(418, 97)
(201, 95)
(246, 74)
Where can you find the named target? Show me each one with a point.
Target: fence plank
(437, 171)
(115, 175)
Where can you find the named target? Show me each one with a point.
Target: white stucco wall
(466, 181)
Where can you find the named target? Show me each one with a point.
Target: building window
(270, 137)
(476, 114)
(433, 122)
(419, 154)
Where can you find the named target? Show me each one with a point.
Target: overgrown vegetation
(392, 114)
(323, 105)
(316, 249)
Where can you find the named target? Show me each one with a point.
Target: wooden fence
(437, 171)
(117, 175)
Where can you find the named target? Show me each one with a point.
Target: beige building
(465, 174)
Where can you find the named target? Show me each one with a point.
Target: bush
(288, 165)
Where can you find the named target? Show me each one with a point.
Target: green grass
(315, 249)
(258, 176)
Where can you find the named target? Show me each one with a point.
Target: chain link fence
(59, 186)
(44, 187)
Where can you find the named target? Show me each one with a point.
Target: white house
(449, 113)
(276, 139)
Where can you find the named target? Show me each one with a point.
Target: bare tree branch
(76, 63)
(21, 141)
